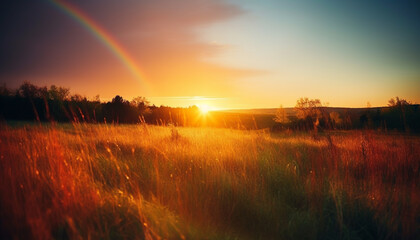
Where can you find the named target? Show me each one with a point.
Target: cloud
(161, 35)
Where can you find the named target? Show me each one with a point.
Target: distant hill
(263, 111)
(291, 112)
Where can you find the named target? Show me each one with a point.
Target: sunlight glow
(204, 109)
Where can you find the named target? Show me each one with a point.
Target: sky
(220, 53)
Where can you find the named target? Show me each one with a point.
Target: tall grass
(149, 182)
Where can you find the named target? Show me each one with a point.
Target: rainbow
(102, 35)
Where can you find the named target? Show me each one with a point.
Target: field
(82, 181)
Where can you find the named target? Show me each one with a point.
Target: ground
(155, 182)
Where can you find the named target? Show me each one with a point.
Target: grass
(81, 181)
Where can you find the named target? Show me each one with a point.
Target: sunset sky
(221, 53)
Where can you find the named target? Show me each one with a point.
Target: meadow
(104, 181)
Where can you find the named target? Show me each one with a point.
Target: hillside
(291, 112)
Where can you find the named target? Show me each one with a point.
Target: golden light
(204, 109)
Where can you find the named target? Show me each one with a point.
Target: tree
(335, 119)
(97, 98)
(140, 103)
(400, 107)
(118, 100)
(4, 91)
(397, 102)
(78, 98)
(309, 110)
(58, 93)
(281, 116)
(119, 110)
(28, 90)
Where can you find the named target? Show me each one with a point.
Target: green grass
(150, 182)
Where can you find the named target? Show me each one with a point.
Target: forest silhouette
(32, 103)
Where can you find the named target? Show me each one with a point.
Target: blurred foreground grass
(148, 182)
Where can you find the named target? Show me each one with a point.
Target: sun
(204, 109)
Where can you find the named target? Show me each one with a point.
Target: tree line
(29, 102)
(312, 115)
(32, 103)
